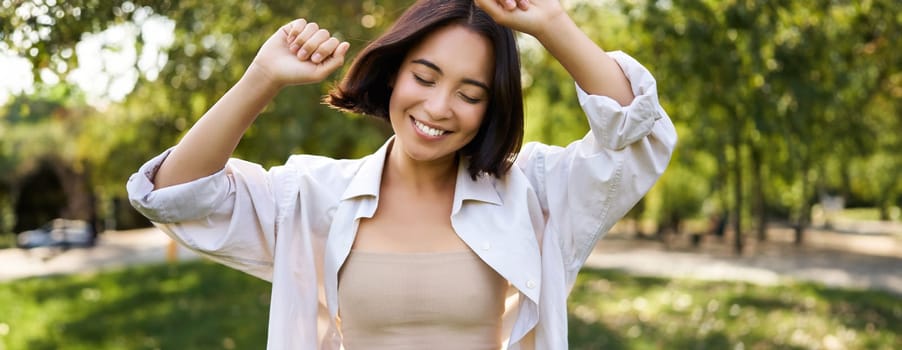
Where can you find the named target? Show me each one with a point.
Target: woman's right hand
(299, 53)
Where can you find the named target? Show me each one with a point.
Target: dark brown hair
(366, 88)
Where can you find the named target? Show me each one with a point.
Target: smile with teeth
(428, 130)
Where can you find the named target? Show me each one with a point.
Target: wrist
(557, 27)
(258, 75)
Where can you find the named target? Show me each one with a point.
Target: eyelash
(466, 98)
(469, 99)
(423, 81)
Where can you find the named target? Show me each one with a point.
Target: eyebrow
(439, 70)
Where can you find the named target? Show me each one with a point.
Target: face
(441, 94)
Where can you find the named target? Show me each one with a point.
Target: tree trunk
(721, 186)
(799, 230)
(883, 205)
(804, 210)
(846, 176)
(757, 155)
(758, 193)
(802, 223)
(7, 203)
(737, 192)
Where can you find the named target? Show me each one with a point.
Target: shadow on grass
(588, 329)
(195, 305)
(597, 321)
(860, 308)
(857, 309)
(200, 305)
(593, 335)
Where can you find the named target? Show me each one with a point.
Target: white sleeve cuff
(183, 202)
(615, 126)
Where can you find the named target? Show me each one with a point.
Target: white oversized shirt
(294, 224)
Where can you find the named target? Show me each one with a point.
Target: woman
(447, 236)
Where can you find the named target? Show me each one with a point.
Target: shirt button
(486, 246)
(530, 284)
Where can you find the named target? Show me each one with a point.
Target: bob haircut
(366, 89)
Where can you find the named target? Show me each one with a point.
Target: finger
(337, 58)
(313, 43)
(508, 4)
(493, 7)
(302, 38)
(324, 50)
(294, 28)
(523, 4)
(342, 49)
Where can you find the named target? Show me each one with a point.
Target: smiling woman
(449, 215)
(440, 95)
(477, 54)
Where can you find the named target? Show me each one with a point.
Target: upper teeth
(427, 130)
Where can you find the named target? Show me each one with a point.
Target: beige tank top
(420, 301)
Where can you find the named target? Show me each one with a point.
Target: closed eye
(469, 99)
(422, 81)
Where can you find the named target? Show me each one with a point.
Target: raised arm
(587, 186)
(298, 53)
(593, 70)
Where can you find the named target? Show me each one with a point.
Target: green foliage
(790, 97)
(213, 42)
(199, 305)
(682, 192)
(44, 125)
(553, 114)
(782, 99)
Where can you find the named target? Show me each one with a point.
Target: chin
(428, 154)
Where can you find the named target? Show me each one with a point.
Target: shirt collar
(367, 181)
(482, 189)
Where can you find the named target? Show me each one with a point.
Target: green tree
(42, 131)
(771, 90)
(777, 102)
(212, 44)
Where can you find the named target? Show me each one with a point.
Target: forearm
(207, 146)
(590, 66)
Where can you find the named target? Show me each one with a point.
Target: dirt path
(113, 250)
(831, 258)
(871, 259)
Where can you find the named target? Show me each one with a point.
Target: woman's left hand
(533, 17)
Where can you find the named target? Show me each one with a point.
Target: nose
(438, 105)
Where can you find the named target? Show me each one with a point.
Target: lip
(424, 135)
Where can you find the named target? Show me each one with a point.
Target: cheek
(474, 117)
(401, 95)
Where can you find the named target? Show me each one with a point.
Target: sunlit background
(777, 225)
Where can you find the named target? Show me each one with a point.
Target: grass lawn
(199, 305)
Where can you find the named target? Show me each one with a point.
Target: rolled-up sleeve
(228, 216)
(616, 127)
(192, 200)
(586, 187)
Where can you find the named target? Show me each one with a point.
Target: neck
(434, 176)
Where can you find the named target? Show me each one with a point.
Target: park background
(788, 114)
